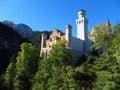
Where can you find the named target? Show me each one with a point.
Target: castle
(79, 45)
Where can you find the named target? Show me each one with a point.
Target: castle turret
(68, 34)
(43, 41)
(82, 25)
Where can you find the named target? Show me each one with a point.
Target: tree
(84, 74)
(106, 67)
(9, 74)
(54, 71)
(116, 43)
(59, 54)
(26, 66)
(101, 35)
(107, 71)
(10, 41)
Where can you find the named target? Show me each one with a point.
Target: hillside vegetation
(30, 71)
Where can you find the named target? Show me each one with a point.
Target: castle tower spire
(108, 26)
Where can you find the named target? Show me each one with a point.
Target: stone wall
(77, 44)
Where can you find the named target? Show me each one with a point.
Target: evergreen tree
(26, 66)
(84, 74)
(107, 66)
(116, 43)
(107, 71)
(54, 72)
(10, 74)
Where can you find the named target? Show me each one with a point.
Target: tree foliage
(106, 67)
(10, 42)
(54, 72)
(101, 35)
(10, 74)
(26, 66)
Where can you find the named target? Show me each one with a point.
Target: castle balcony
(46, 50)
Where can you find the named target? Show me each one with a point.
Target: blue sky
(49, 14)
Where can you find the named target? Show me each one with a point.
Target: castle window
(82, 21)
(50, 39)
(49, 46)
(77, 22)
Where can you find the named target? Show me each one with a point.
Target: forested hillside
(10, 42)
(30, 71)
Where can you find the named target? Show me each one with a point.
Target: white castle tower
(82, 29)
(82, 25)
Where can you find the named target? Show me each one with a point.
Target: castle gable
(56, 34)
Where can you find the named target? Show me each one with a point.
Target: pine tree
(10, 74)
(26, 66)
(107, 66)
